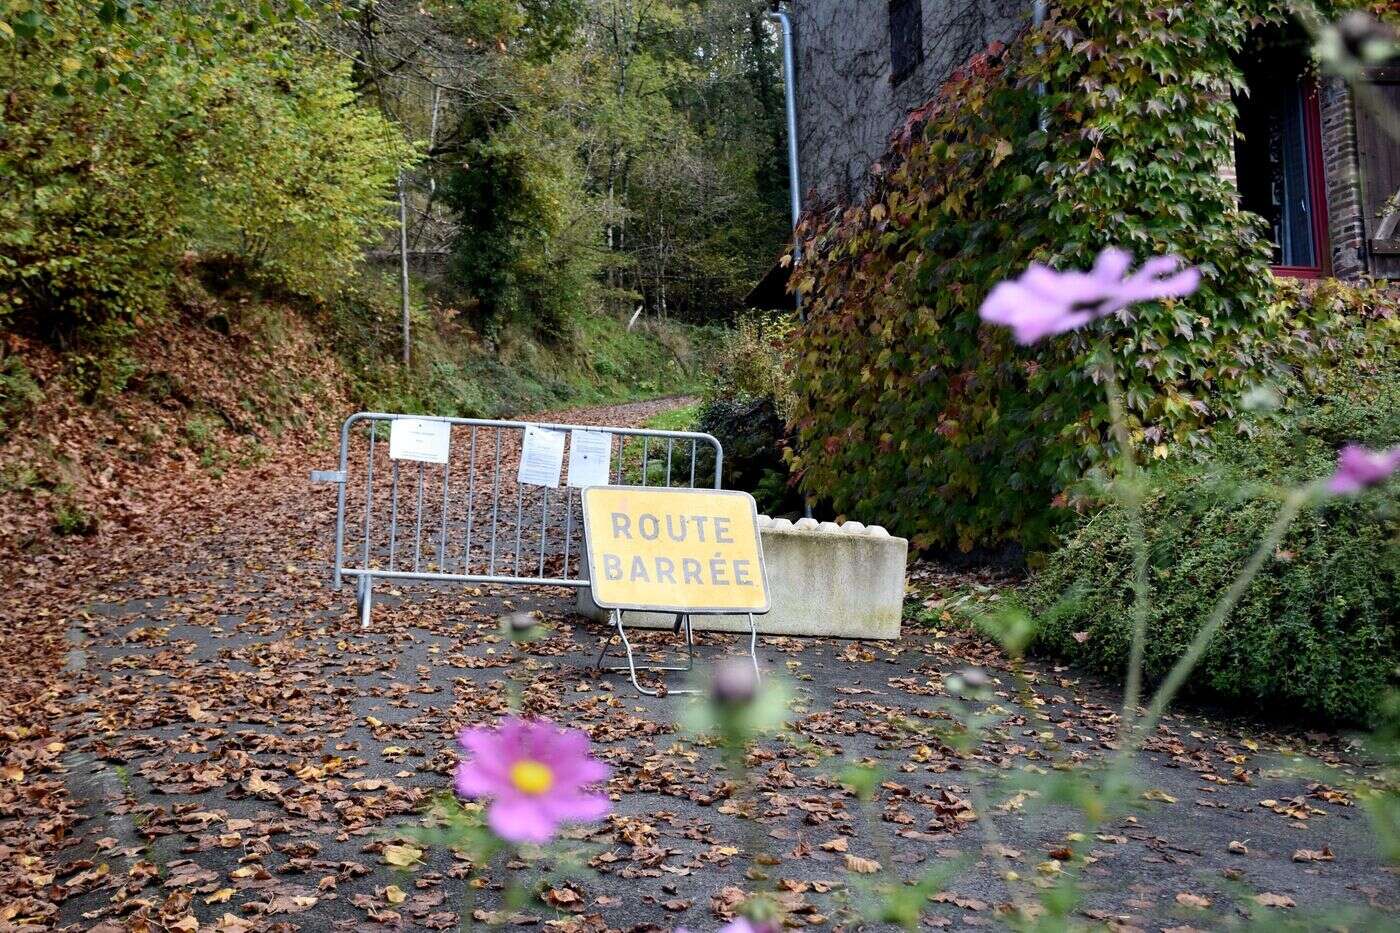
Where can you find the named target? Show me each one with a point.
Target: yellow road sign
(674, 550)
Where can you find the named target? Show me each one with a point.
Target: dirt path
(227, 750)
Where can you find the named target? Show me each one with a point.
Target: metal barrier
(487, 527)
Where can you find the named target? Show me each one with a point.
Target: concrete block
(824, 580)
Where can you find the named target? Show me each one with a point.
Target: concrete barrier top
(812, 526)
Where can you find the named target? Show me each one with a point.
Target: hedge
(1316, 634)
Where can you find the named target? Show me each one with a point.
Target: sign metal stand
(681, 551)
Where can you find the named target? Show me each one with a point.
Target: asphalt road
(241, 754)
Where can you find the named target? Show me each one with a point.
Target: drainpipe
(1038, 13)
(782, 18)
(790, 92)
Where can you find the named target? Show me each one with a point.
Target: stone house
(1319, 168)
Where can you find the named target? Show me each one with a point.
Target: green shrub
(18, 391)
(909, 409)
(135, 131)
(1316, 633)
(72, 519)
(747, 404)
(755, 360)
(520, 201)
(751, 434)
(201, 431)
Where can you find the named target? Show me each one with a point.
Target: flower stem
(1292, 505)
(468, 905)
(1137, 535)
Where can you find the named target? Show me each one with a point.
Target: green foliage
(1383, 807)
(622, 150)
(18, 391)
(675, 419)
(692, 161)
(747, 404)
(454, 372)
(106, 366)
(201, 430)
(292, 171)
(755, 361)
(909, 409)
(71, 519)
(133, 133)
(751, 433)
(516, 196)
(1316, 633)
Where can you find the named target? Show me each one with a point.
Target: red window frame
(1317, 189)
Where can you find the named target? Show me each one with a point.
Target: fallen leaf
(1314, 855)
(861, 866)
(402, 856)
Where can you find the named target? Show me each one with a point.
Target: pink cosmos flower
(1358, 468)
(534, 772)
(745, 925)
(1043, 302)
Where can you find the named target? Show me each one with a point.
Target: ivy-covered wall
(910, 412)
(849, 100)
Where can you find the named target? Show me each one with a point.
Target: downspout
(782, 18)
(1038, 14)
(790, 93)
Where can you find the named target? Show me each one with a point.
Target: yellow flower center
(531, 777)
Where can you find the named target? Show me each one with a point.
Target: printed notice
(541, 456)
(590, 457)
(419, 439)
(674, 550)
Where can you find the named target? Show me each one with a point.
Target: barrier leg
(366, 596)
(753, 647)
(689, 644)
(631, 666)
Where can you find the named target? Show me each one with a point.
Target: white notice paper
(541, 456)
(419, 439)
(590, 457)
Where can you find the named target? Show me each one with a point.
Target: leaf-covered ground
(198, 735)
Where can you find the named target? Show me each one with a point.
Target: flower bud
(1365, 38)
(975, 678)
(735, 682)
(520, 626)
(969, 680)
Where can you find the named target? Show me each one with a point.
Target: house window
(906, 38)
(1278, 158)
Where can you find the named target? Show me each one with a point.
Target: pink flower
(745, 925)
(1358, 468)
(1043, 302)
(535, 773)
